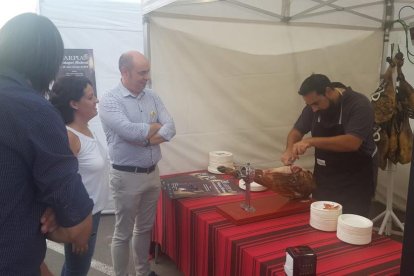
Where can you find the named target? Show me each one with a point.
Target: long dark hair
(31, 45)
(65, 90)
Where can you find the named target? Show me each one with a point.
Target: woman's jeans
(78, 265)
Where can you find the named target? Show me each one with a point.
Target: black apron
(342, 177)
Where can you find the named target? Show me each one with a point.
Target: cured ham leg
(385, 106)
(405, 139)
(290, 181)
(383, 145)
(393, 141)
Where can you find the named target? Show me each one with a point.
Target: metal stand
(247, 174)
(388, 214)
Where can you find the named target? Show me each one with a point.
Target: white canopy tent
(229, 70)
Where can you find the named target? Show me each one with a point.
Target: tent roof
(371, 14)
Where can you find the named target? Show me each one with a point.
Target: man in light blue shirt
(135, 122)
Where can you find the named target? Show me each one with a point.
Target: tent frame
(285, 16)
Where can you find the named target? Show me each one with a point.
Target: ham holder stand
(247, 174)
(388, 214)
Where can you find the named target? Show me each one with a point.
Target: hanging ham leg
(383, 145)
(408, 90)
(405, 139)
(393, 140)
(406, 98)
(384, 107)
(405, 90)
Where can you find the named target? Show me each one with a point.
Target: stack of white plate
(354, 229)
(219, 158)
(324, 215)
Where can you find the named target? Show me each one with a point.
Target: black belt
(134, 169)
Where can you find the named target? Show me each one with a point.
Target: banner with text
(78, 62)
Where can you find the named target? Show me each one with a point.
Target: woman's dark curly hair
(65, 90)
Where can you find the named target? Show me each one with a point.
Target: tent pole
(39, 7)
(147, 52)
(286, 10)
(388, 19)
(147, 46)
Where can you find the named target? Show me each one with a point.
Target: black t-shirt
(357, 119)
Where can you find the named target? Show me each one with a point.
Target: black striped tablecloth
(202, 242)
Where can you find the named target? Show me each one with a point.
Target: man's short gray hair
(126, 61)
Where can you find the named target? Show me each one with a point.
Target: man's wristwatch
(147, 143)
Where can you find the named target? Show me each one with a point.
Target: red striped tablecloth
(202, 242)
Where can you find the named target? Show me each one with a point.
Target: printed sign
(78, 62)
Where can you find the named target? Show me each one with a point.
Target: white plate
(352, 239)
(320, 206)
(323, 226)
(213, 170)
(355, 221)
(254, 187)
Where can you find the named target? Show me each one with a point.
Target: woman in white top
(75, 99)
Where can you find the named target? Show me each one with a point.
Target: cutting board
(269, 207)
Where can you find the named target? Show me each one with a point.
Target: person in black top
(341, 123)
(41, 192)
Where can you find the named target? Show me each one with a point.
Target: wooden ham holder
(269, 207)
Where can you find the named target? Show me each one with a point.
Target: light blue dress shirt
(126, 120)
